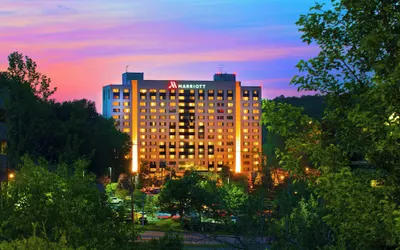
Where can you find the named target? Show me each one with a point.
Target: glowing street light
(11, 176)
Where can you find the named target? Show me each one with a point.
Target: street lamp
(132, 199)
(110, 168)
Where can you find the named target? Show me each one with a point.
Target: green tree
(58, 132)
(183, 195)
(64, 206)
(357, 70)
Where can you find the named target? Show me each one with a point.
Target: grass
(164, 225)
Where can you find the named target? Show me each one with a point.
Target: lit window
(256, 104)
(142, 117)
(115, 104)
(142, 104)
(200, 104)
(115, 90)
(142, 137)
(143, 110)
(3, 147)
(172, 117)
(162, 104)
(127, 110)
(162, 110)
(230, 104)
(246, 111)
(211, 111)
(142, 130)
(115, 117)
(143, 90)
(255, 98)
(172, 104)
(153, 130)
(256, 111)
(126, 130)
(126, 90)
(126, 104)
(153, 110)
(126, 123)
(245, 98)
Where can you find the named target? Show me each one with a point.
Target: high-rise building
(186, 124)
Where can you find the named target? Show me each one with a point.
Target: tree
(357, 71)
(183, 195)
(65, 206)
(58, 132)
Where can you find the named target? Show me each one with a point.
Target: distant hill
(314, 105)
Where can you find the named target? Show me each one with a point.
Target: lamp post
(110, 168)
(132, 198)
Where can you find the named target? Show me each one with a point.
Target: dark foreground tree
(62, 206)
(356, 149)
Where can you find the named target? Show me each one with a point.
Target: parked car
(161, 215)
(115, 200)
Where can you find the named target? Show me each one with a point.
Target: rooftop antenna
(221, 66)
(126, 68)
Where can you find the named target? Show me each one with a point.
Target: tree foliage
(58, 132)
(357, 141)
(62, 206)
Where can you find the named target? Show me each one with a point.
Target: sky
(83, 45)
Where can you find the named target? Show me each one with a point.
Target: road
(197, 238)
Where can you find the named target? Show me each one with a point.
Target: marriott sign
(173, 85)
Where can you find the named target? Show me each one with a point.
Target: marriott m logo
(172, 85)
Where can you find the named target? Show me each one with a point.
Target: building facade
(188, 124)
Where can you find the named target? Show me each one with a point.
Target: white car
(115, 200)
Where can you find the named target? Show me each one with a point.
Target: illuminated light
(11, 176)
(134, 115)
(307, 169)
(282, 177)
(238, 162)
(172, 85)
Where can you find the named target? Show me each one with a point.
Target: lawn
(164, 225)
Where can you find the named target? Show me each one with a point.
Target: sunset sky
(86, 44)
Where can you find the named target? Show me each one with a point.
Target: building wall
(200, 124)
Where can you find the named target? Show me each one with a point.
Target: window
(127, 110)
(230, 104)
(115, 117)
(142, 104)
(126, 104)
(126, 130)
(126, 123)
(115, 90)
(116, 110)
(3, 147)
(115, 104)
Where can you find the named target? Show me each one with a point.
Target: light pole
(110, 168)
(132, 199)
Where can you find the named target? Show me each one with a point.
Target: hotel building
(186, 124)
